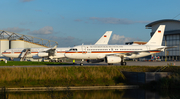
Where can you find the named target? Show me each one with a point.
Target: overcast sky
(73, 22)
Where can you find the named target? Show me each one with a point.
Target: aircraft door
(148, 47)
(83, 49)
(112, 50)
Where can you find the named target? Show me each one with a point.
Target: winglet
(54, 47)
(157, 38)
(105, 38)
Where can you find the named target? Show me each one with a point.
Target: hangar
(171, 37)
(10, 40)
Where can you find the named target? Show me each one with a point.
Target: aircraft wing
(51, 51)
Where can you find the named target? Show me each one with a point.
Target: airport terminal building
(171, 38)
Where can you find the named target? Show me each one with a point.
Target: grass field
(70, 76)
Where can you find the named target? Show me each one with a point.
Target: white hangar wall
(4, 45)
(24, 44)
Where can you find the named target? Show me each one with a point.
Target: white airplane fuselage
(100, 51)
(16, 53)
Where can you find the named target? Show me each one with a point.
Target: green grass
(22, 63)
(59, 76)
(71, 76)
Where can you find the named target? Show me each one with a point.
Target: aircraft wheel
(122, 63)
(50, 60)
(110, 63)
(81, 64)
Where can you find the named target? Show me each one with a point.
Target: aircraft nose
(68, 55)
(6, 54)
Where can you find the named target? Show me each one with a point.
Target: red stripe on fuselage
(31, 52)
(102, 52)
(154, 51)
(34, 52)
(60, 51)
(111, 52)
(6, 52)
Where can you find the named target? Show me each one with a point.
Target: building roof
(160, 21)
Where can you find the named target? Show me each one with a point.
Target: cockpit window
(73, 49)
(7, 51)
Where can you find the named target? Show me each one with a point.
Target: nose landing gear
(81, 64)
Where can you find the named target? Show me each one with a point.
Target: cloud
(26, 0)
(16, 29)
(72, 41)
(117, 39)
(43, 31)
(65, 41)
(111, 20)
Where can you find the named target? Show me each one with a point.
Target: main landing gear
(122, 61)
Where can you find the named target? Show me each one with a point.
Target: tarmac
(137, 63)
(129, 63)
(156, 63)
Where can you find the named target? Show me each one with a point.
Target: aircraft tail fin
(157, 38)
(105, 38)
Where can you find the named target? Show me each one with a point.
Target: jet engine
(112, 59)
(95, 60)
(42, 54)
(36, 57)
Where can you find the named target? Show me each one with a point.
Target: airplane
(54, 54)
(118, 53)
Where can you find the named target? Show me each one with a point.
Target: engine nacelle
(42, 54)
(112, 59)
(36, 57)
(95, 60)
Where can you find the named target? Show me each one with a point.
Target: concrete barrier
(144, 77)
(70, 88)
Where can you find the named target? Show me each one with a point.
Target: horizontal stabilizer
(54, 47)
(168, 47)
